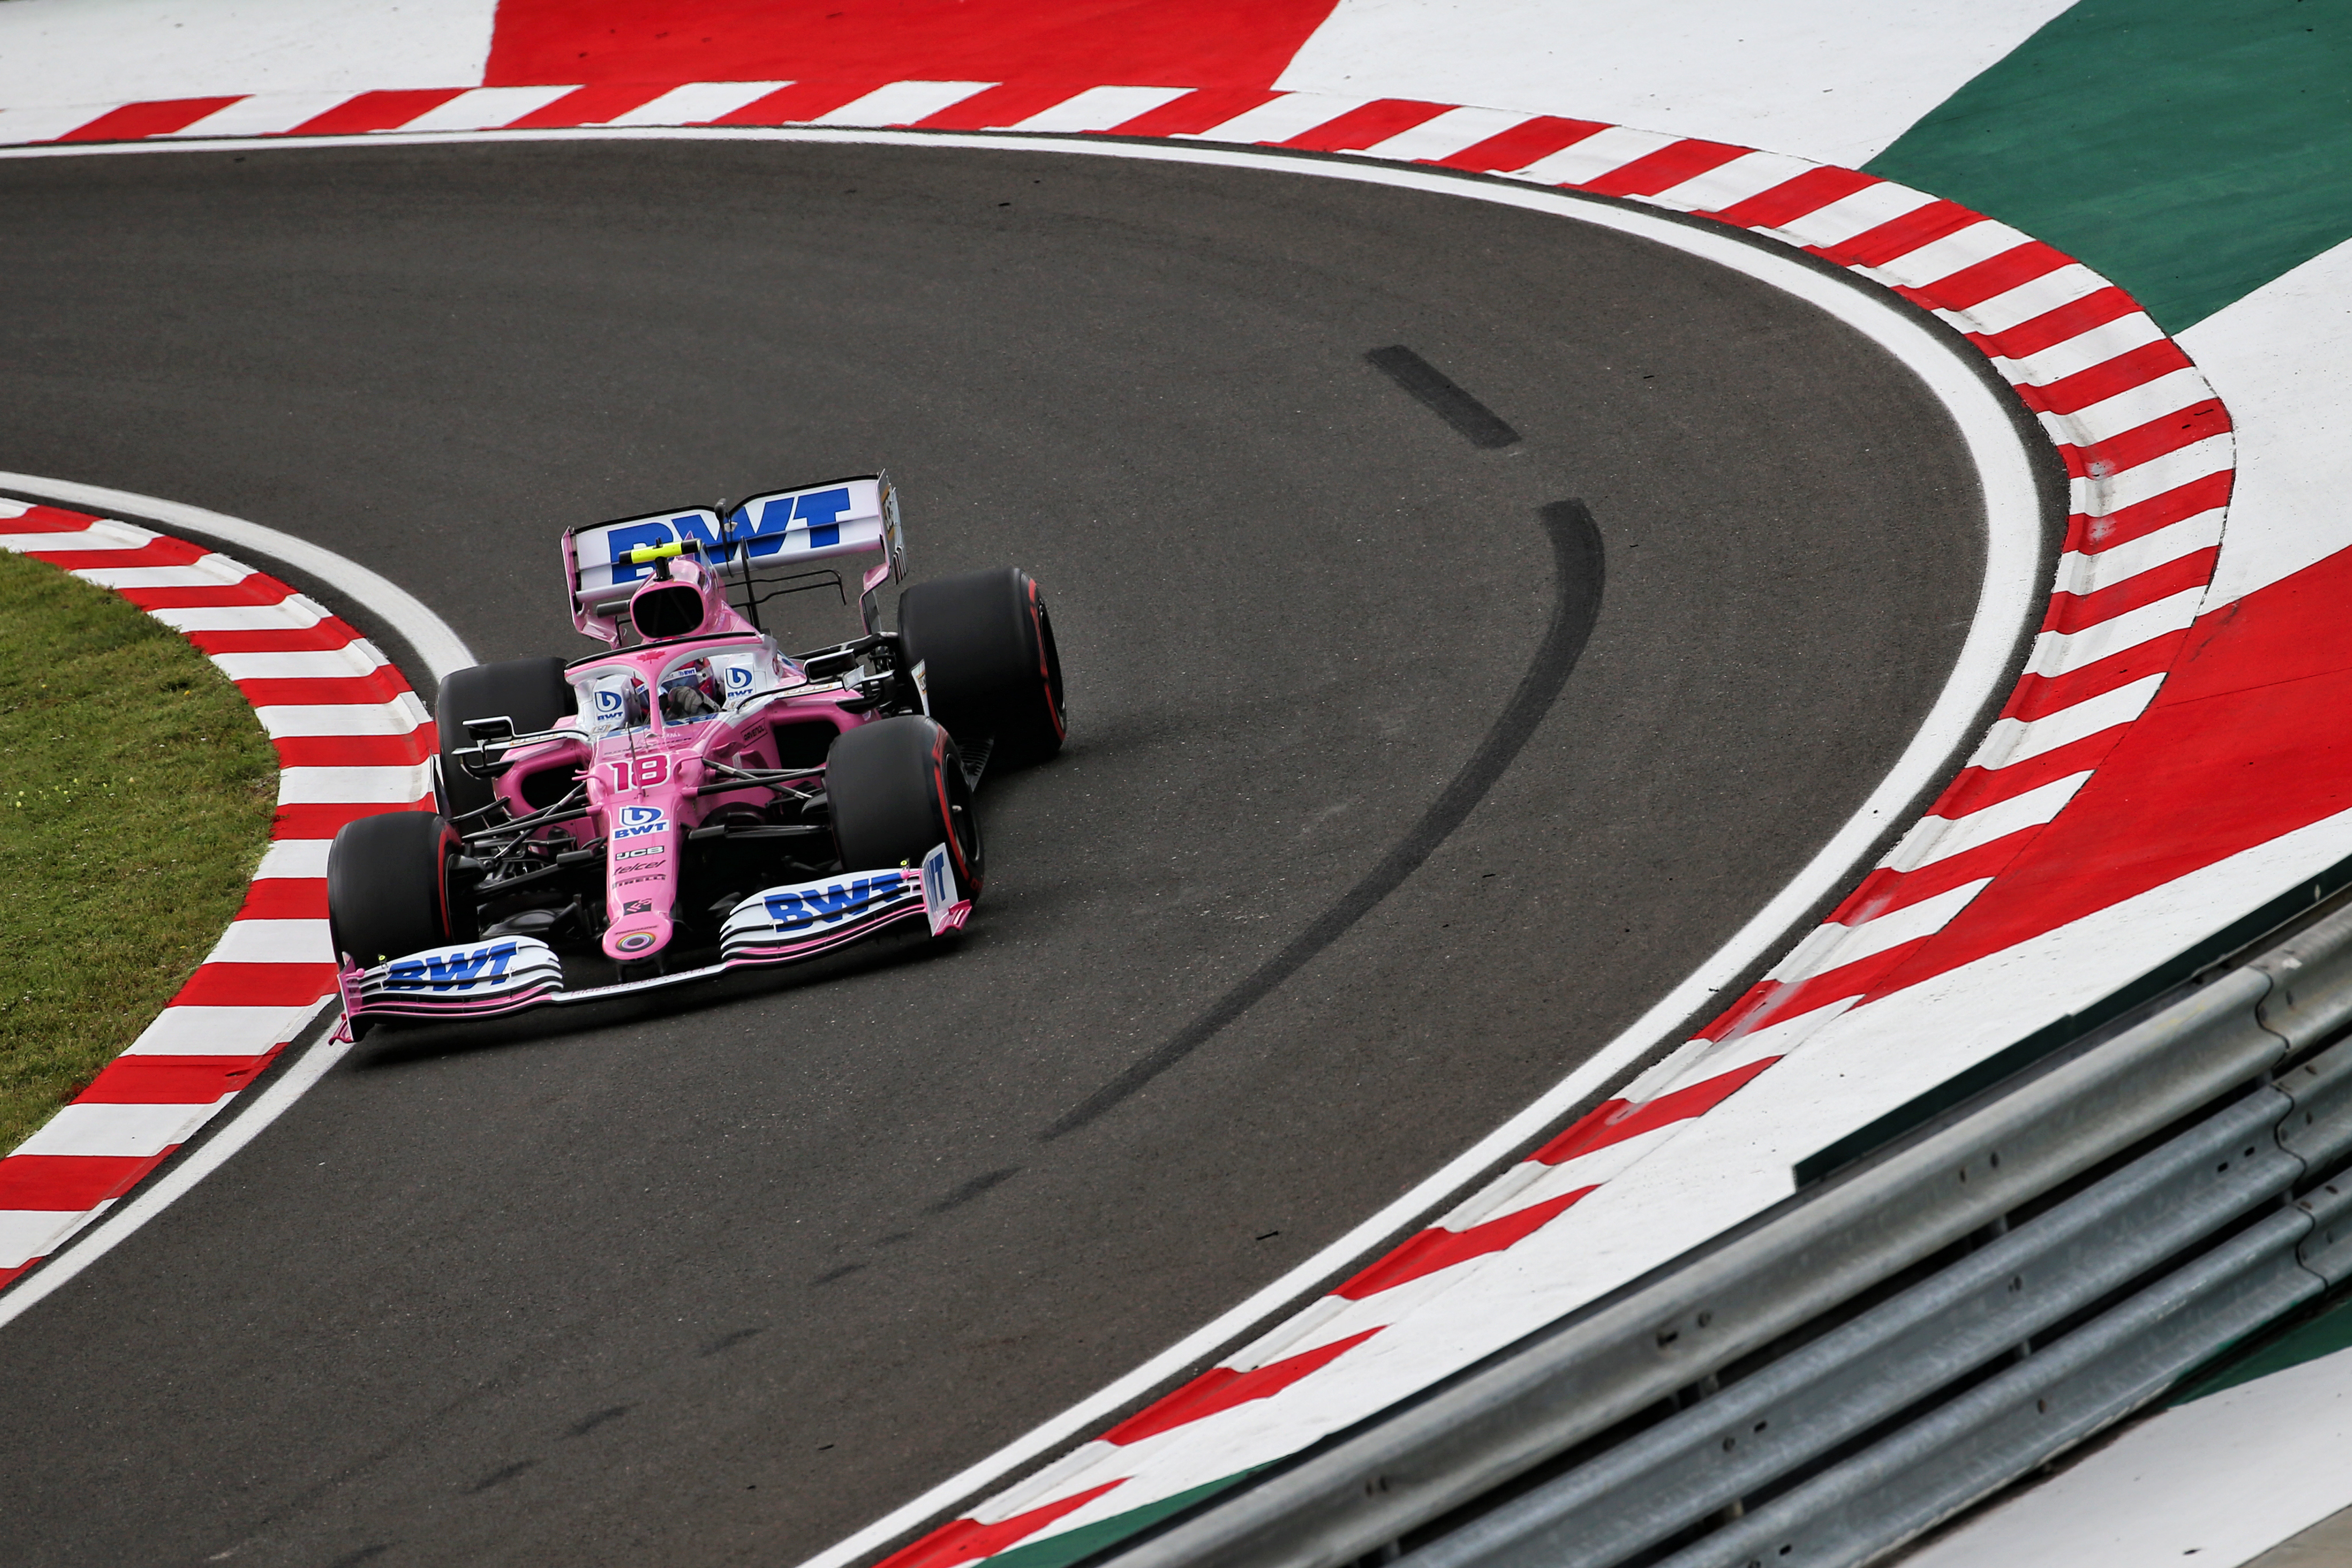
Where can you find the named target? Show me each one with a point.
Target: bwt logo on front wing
(453, 970)
(803, 907)
(639, 820)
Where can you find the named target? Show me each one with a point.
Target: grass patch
(134, 806)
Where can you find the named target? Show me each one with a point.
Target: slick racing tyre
(990, 665)
(531, 691)
(388, 888)
(896, 791)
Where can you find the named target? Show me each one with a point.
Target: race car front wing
(780, 925)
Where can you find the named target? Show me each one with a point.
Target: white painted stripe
(902, 103)
(1942, 840)
(11, 506)
(2033, 297)
(1101, 108)
(207, 571)
(1834, 946)
(273, 941)
(2107, 341)
(127, 1131)
(2056, 653)
(2131, 409)
(485, 108)
(402, 715)
(358, 656)
(100, 535)
(354, 787)
(46, 124)
(266, 114)
(218, 1031)
(1279, 120)
(1738, 1050)
(1955, 252)
(2082, 574)
(2158, 475)
(697, 103)
(1444, 135)
(1587, 1170)
(291, 613)
(1728, 185)
(2010, 742)
(1603, 152)
(293, 860)
(27, 1234)
(440, 648)
(1857, 212)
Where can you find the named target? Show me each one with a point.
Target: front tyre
(989, 663)
(897, 792)
(388, 888)
(531, 691)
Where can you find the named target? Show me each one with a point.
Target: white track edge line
(243, 1125)
(440, 648)
(2006, 604)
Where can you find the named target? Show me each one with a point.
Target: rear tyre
(388, 888)
(896, 791)
(531, 691)
(992, 671)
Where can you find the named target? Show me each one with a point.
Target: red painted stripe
(157, 551)
(1884, 892)
(2075, 612)
(1978, 788)
(1663, 169)
(1900, 236)
(2147, 442)
(1431, 1251)
(591, 105)
(325, 821)
(967, 1541)
(171, 1080)
(1786, 1001)
(256, 986)
(322, 636)
(1793, 198)
(1521, 145)
(133, 120)
(47, 520)
(2040, 695)
(254, 588)
(1222, 1388)
(1974, 284)
(1196, 111)
(284, 899)
(2069, 321)
(2136, 367)
(1367, 126)
(381, 684)
(357, 751)
(1008, 103)
(375, 111)
(1681, 1105)
(67, 1184)
(801, 101)
(2094, 535)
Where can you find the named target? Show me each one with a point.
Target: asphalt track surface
(722, 1280)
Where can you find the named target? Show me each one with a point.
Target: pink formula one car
(698, 800)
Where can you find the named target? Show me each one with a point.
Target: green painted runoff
(2190, 150)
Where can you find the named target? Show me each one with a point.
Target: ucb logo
(638, 820)
(803, 907)
(453, 970)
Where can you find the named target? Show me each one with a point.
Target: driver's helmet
(690, 691)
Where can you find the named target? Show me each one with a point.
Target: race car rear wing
(779, 532)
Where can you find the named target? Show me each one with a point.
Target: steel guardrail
(1881, 1350)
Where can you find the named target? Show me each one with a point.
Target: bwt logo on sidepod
(739, 678)
(455, 971)
(639, 820)
(804, 907)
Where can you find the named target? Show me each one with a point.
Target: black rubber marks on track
(1481, 425)
(1578, 573)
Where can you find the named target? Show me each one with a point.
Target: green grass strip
(2190, 150)
(134, 806)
